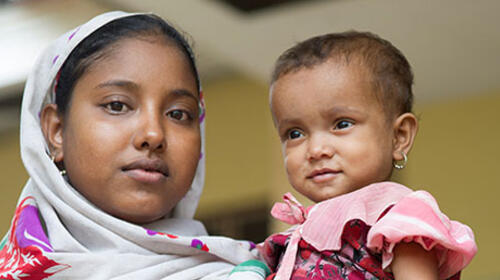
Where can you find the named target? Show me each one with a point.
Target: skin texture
(130, 141)
(411, 262)
(337, 137)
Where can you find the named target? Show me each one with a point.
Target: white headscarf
(56, 232)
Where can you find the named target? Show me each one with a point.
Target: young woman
(112, 136)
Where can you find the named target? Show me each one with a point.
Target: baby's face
(335, 135)
(131, 139)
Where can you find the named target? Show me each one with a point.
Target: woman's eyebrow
(119, 83)
(184, 92)
(133, 87)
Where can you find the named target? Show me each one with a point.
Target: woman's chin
(142, 216)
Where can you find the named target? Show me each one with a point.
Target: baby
(341, 104)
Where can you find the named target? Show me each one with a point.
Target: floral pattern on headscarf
(22, 256)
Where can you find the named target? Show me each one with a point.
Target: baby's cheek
(285, 160)
(293, 170)
(290, 165)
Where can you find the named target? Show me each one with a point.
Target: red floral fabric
(24, 255)
(352, 262)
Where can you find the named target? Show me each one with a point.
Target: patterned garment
(352, 236)
(22, 256)
(352, 262)
(26, 251)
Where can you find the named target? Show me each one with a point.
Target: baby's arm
(411, 261)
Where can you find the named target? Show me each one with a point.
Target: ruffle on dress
(394, 212)
(417, 218)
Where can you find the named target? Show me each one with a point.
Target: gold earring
(62, 172)
(401, 164)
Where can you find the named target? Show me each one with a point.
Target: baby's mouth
(323, 175)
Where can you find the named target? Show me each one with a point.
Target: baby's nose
(320, 146)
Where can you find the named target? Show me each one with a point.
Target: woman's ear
(405, 130)
(52, 128)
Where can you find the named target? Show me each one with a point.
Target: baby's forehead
(330, 75)
(353, 80)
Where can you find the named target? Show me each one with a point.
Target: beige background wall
(239, 146)
(455, 158)
(13, 177)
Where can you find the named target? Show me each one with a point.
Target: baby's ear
(52, 128)
(405, 129)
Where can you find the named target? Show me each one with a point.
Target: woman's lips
(145, 176)
(148, 171)
(323, 175)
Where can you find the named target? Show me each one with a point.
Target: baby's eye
(294, 134)
(343, 124)
(116, 107)
(179, 115)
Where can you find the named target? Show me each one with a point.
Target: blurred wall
(13, 177)
(239, 145)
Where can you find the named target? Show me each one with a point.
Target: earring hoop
(63, 171)
(401, 164)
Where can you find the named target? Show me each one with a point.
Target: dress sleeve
(417, 218)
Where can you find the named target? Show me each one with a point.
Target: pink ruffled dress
(353, 236)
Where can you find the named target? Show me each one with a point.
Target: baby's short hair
(391, 72)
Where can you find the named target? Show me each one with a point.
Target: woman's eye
(343, 124)
(116, 107)
(178, 115)
(294, 134)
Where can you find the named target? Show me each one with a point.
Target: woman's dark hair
(95, 46)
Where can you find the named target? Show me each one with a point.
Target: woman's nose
(150, 134)
(320, 146)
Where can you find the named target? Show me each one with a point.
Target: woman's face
(131, 137)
